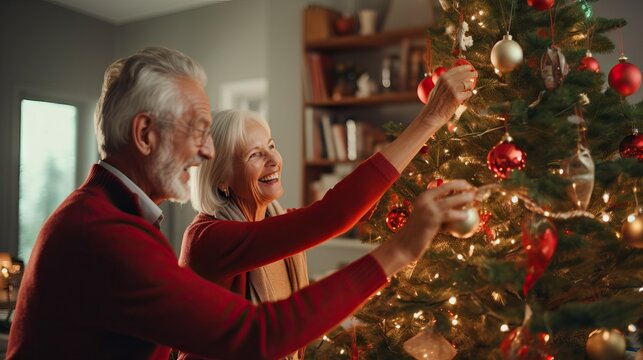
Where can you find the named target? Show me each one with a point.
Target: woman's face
(256, 173)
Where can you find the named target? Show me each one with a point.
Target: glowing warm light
(397, 326)
(475, 92)
(546, 213)
(452, 300)
(446, 151)
(504, 327)
(631, 218)
(512, 241)
(454, 322)
(342, 351)
(514, 199)
(437, 275)
(325, 338)
(496, 70)
(631, 328)
(480, 12)
(473, 17)
(546, 337)
(606, 197)
(378, 293)
(471, 249)
(417, 314)
(460, 257)
(561, 171)
(605, 217)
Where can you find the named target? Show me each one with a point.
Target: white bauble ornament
(506, 55)
(465, 228)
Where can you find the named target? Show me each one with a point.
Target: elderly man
(103, 281)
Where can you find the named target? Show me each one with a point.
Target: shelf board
(376, 99)
(366, 41)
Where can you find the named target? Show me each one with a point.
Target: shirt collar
(151, 212)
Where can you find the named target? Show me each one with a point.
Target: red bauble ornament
(589, 63)
(541, 4)
(520, 344)
(632, 146)
(424, 89)
(625, 78)
(463, 61)
(397, 217)
(437, 73)
(539, 239)
(504, 157)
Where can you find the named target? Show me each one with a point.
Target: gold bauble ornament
(604, 344)
(506, 54)
(632, 230)
(465, 228)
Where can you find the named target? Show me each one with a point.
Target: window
(47, 165)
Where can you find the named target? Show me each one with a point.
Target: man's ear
(144, 134)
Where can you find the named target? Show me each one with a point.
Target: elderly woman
(230, 243)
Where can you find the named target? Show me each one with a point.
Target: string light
(480, 12)
(417, 314)
(606, 197)
(631, 328)
(512, 241)
(437, 275)
(452, 300)
(514, 199)
(631, 218)
(504, 327)
(378, 293)
(460, 257)
(605, 217)
(472, 247)
(325, 338)
(454, 322)
(342, 351)
(561, 171)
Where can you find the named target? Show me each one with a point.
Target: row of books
(319, 79)
(339, 139)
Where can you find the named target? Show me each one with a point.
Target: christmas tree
(549, 263)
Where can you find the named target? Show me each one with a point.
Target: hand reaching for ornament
(453, 88)
(433, 208)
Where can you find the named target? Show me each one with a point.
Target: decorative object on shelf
(429, 345)
(539, 240)
(346, 81)
(318, 22)
(397, 216)
(344, 25)
(625, 77)
(365, 86)
(465, 228)
(553, 67)
(632, 146)
(505, 157)
(506, 54)
(541, 5)
(589, 63)
(367, 21)
(604, 344)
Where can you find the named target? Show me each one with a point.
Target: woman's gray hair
(229, 137)
(143, 82)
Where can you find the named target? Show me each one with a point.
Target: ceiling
(123, 11)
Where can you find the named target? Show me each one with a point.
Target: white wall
(49, 53)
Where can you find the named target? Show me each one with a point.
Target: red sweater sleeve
(216, 248)
(134, 287)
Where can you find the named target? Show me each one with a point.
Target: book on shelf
(328, 138)
(320, 73)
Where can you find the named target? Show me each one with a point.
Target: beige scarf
(259, 278)
(260, 286)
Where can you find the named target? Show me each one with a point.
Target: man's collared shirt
(151, 212)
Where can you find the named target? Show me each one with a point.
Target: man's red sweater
(102, 283)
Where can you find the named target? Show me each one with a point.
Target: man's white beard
(166, 173)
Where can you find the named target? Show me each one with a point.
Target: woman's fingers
(452, 215)
(457, 201)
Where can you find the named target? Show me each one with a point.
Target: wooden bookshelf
(321, 166)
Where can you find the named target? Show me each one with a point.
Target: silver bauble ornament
(604, 344)
(553, 67)
(465, 228)
(506, 55)
(632, 230)
(579, 169)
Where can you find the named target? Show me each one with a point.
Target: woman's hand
(431, 209)
(453, 88)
